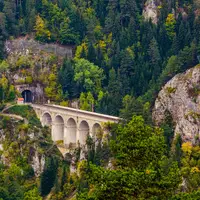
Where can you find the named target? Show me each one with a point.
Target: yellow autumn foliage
(195, 170)
(148, 171)
(187, 147)
(80, 49)
(42, 33)
(170, 25)
(102, 45)
(130, 52)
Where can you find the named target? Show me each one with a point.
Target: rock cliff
(25, 45)
(180, 97)
(150, 10)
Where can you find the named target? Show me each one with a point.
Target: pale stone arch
(96, 131)
(58, 128)
(46, 119)
(83, 131)
(70, 135)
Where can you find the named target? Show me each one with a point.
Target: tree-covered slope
(133, 55)
(124, 51)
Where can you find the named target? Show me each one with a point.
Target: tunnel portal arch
(28, 96)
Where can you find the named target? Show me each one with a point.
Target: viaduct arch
(70, 132)
(83, 131)
(71, 126)
(46, 119)
(58, 128)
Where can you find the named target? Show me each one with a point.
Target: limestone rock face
(24, 46)
(150, 10)
(36, 159)
(38, 162)
(180, 97)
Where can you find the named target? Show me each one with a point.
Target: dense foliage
(118, 53)
(141, 171)
(132, 162)
(121, 61)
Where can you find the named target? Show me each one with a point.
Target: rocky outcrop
(25, 45)
(38, 163)
(151, 10)
(180, 97)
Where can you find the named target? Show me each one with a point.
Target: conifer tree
(10, 13)
(154, 57)
(91, 53)
(48, 176)
(66, 79)
(181, 36)
(114, 93)
(65, 34)
(30, 15)
(126, 70)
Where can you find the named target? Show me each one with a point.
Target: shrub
(29, 79)
(171, 90)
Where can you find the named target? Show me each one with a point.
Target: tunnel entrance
(27, 95)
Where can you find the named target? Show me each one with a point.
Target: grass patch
(27, 112)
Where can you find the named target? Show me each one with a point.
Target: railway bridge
(72, 126)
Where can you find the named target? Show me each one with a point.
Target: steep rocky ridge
(180, 98)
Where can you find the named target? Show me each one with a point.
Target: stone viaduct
(71, 125)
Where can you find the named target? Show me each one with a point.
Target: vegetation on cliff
(26, 153)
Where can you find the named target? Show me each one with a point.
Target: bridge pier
(57, 132)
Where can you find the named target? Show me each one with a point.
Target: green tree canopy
(88, 76)
(140, 171)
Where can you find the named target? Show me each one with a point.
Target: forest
(121, 61)
(120, 58)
